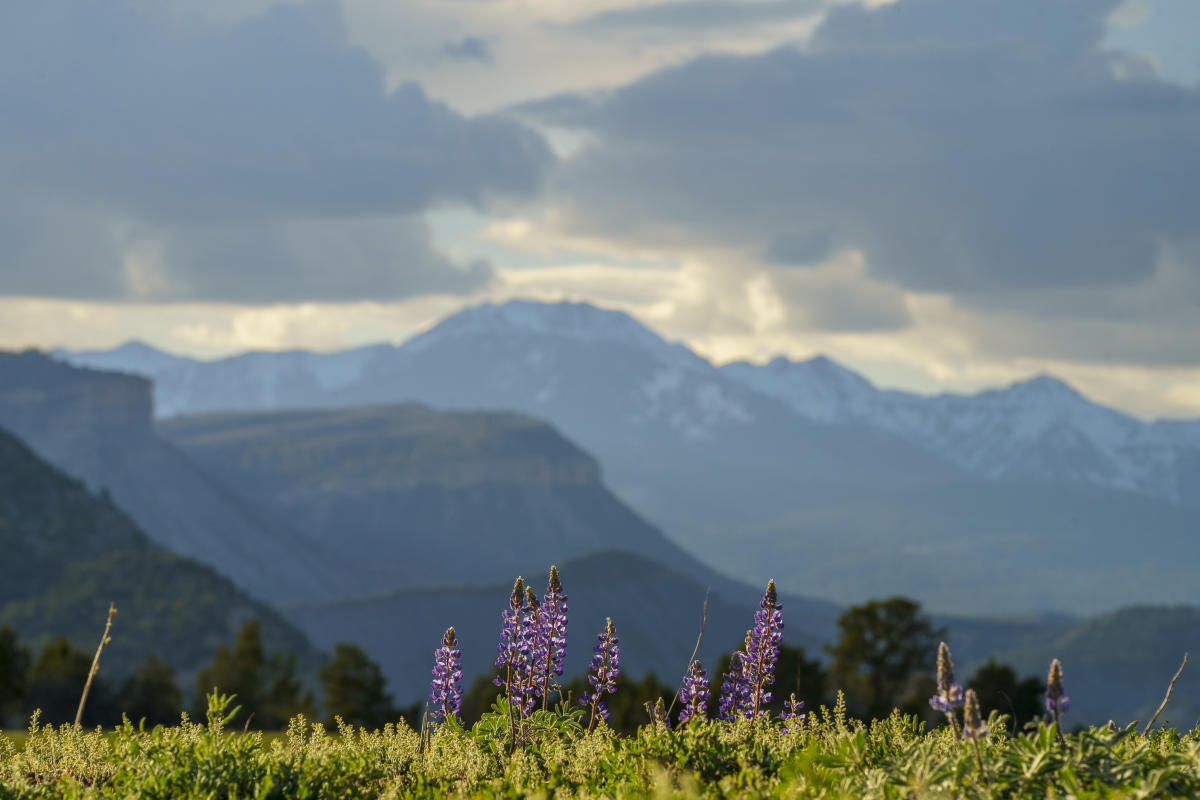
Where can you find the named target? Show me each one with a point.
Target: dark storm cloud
(117, 123)
(469, 48)
(971, 148)
(692, 15)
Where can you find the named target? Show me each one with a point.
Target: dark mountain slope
(68, 553)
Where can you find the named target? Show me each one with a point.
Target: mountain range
(1023, 498)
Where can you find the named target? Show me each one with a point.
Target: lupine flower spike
(974, 727)
(446, 693)
(533, 649)
(509, 658)
(792, 711)
(949, 694)
(735, 684)
(1056, 698)
(763, 650)
(602, 675)
(554, 633)
(658, 713)
(693, 695)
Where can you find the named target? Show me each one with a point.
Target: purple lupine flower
(510, 655)
(1056, 699)
(554, 632)
(735, 689)
(792, 709)
(602, 675)
(446, 688)
(532, 651)
(693, 695)
(763, 650)
(973, 724)
(949, 694)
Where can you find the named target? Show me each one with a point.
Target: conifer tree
(353, 687)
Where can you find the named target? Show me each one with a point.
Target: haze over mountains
(801, 471)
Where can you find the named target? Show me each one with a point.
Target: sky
(942, 194)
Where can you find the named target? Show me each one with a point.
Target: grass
(828, 756)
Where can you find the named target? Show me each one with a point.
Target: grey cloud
(152, 157)
(809, 247)
(273, 116)
(469, 48)
(968, 148)
(65, 251)
(330, 260)
(691, 15)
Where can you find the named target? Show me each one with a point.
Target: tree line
(882, 658)
(268, 687)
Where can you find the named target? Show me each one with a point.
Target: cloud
(144, 156)
(808, 247)
(53, 250)
(275, 115)
(469, 48)
(982, 150)
(692, 15)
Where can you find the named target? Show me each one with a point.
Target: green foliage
(998, 690)
(152, 694)
(882, 648)
(353, 688)
(830, 756)
(268, 689)
(56, 680)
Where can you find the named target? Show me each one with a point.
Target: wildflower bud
(949, 694)
(973, 724)
(531, 600)
(555, 584)
(518, 593)
(1056, 698)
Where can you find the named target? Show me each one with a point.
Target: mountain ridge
(1039, 426)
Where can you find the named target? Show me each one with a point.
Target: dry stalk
(87, 687)
(1163, 704)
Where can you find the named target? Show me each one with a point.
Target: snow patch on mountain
(565, 320)
(1037, 429)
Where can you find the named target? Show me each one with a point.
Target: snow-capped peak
(819, 388)
(562, 320)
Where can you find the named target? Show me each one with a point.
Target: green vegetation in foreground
(828, 756)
